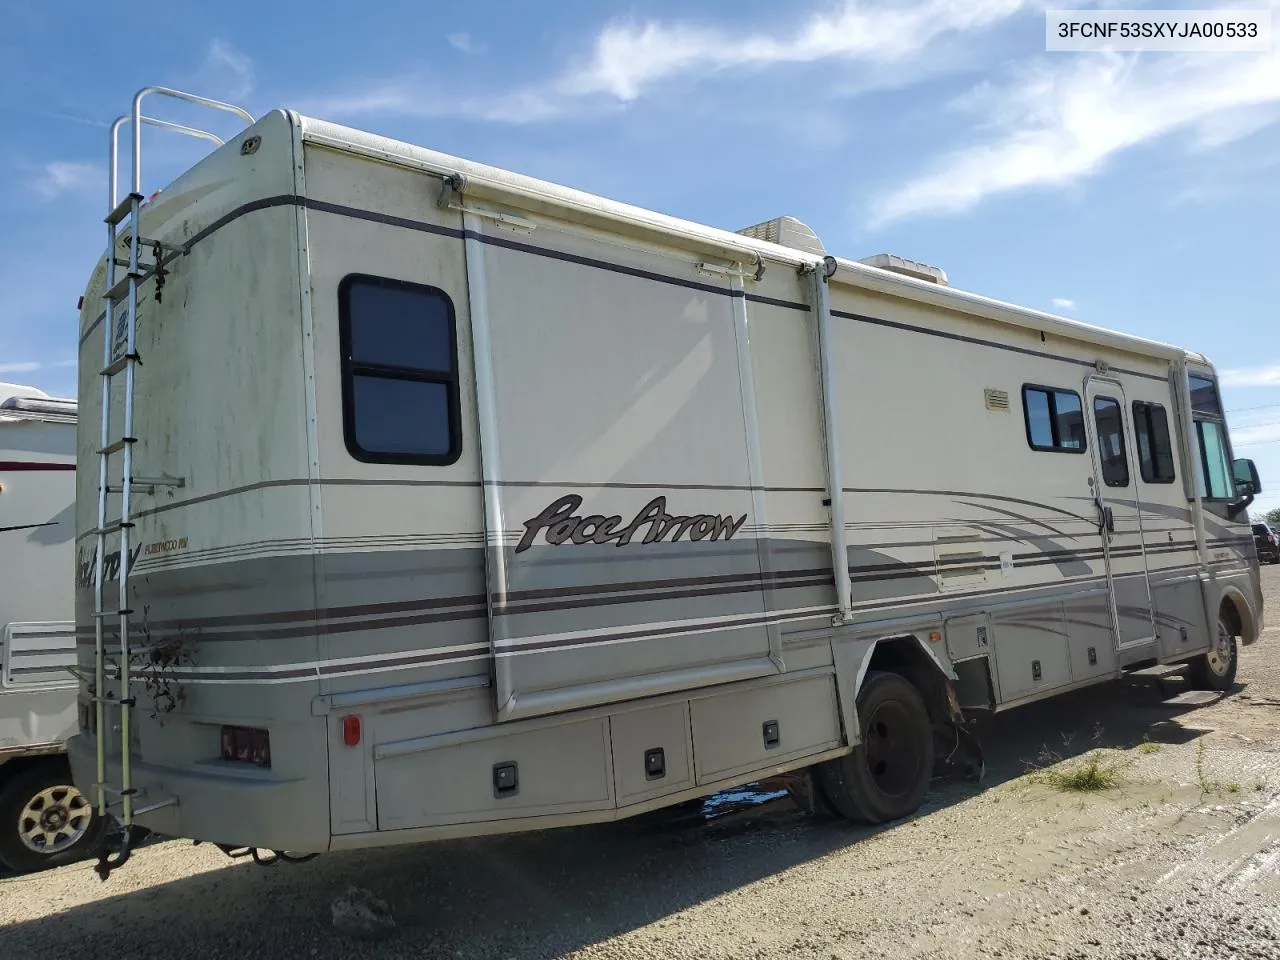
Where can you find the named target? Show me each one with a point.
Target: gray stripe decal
(352, 666)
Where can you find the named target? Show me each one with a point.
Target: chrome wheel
(54, 820)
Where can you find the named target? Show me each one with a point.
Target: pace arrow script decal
(559, 523)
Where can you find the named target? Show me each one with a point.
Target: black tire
(887, 775)
(67, 830)
(1216, 670)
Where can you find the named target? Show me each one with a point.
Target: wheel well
(905, 656)
(1231, 614)
(20, 765)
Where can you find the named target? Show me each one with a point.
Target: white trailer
(456, 502)
(44, 819)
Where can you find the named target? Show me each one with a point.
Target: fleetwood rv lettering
(486, 505)
(44, 819)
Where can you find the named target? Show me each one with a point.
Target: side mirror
(1248, 484)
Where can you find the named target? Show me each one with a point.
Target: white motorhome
(44, 819)
(529, 508)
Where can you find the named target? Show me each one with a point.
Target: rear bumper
(214, 805)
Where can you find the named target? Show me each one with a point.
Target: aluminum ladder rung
(123, 209)
(121, 288)
(173, 249)
(101, 614)
(115, 526)
(149, 808)
(152, 807)
(116, 447)
(115, 701)
(116, 791)
(119, 364)
(148, 484)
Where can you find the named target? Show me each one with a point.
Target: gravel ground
(1180, 860)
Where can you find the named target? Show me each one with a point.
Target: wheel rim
(1219, 655)
(891, 749)
(54, 820)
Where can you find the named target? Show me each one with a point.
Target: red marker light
(351, 730)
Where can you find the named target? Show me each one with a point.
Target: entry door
(1119, 516)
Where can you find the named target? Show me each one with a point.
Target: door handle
(1106, 518)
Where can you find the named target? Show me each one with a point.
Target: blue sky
(1134, 191)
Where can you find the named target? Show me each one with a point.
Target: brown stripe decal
(34, 465)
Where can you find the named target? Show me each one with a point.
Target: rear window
(399, 372)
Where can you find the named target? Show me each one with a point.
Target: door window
(1109, 418)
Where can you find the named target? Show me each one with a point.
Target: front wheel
(887, 775)
(1216, 670)
(44, 820)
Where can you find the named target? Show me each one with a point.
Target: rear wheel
(1216, 670)
(887, 775)
(44, 820)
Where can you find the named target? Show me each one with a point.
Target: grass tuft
(1095, 771)
(1206, 785)
(1089, 774)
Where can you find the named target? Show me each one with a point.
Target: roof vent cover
(786, 232)
(909, 268)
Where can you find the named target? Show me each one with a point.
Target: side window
(1211, 438)
(399, 372)
(1109, 418)
(1055, 419)
(1155, 450)
(1204, 396)
(1214, 461)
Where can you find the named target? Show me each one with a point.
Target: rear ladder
(120, 359)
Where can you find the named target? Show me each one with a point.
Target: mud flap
(958, 754)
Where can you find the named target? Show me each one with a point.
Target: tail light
(351, 730)
(246, 745)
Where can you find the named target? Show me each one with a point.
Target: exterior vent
(786, 232)
(996, 399)
(909, 268)
(960, 556)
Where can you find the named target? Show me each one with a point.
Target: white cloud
(226, 70)
(60, 177)
(629, 59)
(26, 367)
(1062, 303)
(1268, 376)
(1065, 118)
(463, 42)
